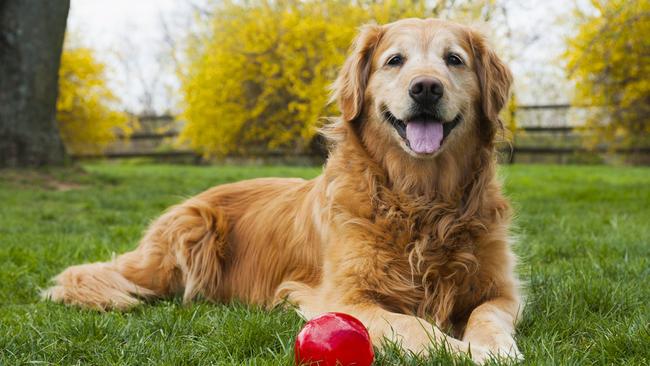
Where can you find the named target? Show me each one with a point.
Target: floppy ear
(350, 86)
(494, 79)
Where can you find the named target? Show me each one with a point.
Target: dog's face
(423, 84)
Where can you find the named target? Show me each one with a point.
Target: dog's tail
(182, 252)
(97, 286)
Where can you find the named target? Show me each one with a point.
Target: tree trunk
(31, 40)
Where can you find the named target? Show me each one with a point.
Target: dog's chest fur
(418, 255)
(425, 257)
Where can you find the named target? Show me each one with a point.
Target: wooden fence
(545, 133)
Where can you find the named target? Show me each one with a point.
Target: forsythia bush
(609, 61)
(85, 113)
(258, 80)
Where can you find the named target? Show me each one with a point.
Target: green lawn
(584, 243)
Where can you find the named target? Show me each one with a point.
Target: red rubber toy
(334, 339)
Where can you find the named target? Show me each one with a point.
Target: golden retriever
(406, 228)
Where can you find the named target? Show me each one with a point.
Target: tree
(31, 38)
(86, 113)
(257, 78)
(608, 59)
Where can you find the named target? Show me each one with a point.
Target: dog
(406, 228)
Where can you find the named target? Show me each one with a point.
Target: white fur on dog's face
(425, 47)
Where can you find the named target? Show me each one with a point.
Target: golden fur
(399, 240)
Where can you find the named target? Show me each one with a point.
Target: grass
(583, 241)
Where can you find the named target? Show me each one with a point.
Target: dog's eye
(395, 60)
(454, 60)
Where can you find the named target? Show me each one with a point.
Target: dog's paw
(507, 349)
(479, 354)
(510, 355)
(504, 351)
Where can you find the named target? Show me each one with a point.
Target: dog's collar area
(400, 126)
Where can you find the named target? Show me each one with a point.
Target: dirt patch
(64, 186)
(62, 180)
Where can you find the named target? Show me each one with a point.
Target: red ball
(334, 339)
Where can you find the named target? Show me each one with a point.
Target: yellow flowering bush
(608, 59)
(87, 118)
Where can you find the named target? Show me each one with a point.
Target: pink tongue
(424, 137)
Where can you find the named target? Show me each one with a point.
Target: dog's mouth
(423, 132)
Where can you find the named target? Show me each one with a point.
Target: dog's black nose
(425, 90)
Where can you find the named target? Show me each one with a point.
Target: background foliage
(257, 80)
(88, 120)
(608, 60)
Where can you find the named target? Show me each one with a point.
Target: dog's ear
(494, 79)
(350, 86)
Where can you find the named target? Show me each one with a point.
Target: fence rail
(174, 134)
(543, 106)
(515, 150)
(552, 140)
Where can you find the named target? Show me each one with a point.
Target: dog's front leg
(491, 326)
(412, 333)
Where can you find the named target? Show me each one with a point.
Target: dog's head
(423, 85)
